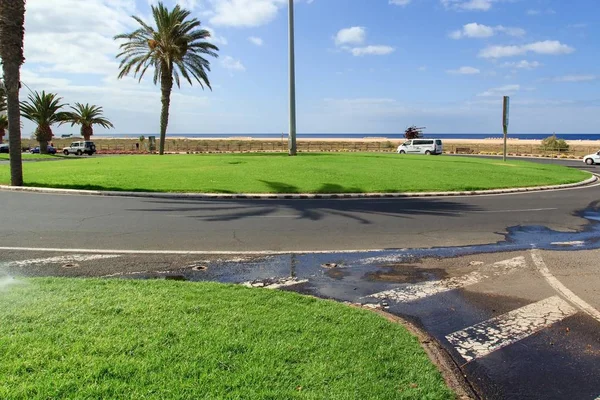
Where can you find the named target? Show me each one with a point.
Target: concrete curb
(157, 195)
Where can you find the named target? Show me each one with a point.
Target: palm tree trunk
(12, 31)
(43, 147)
(165, 86)
(12, 78)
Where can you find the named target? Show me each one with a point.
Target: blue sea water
(341, 136)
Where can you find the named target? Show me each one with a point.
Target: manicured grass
(29, 156)
(278, 173)
(109, 339)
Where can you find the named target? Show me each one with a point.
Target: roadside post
(505, 115)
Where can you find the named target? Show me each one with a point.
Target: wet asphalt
(450, 279)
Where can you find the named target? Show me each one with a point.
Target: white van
(421, 146)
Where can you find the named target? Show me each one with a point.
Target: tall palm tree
(12, 31)
(175, 47)
(87, 116)
(44, 109)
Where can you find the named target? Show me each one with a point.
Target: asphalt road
(42, 220)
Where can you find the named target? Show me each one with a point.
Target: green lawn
(278, 173)
(28, 156)
(117, 339)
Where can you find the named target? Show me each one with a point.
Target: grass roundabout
(306, 173)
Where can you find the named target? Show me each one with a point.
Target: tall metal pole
(505, 120)
(292, 138)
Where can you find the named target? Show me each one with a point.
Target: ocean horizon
(392, 136)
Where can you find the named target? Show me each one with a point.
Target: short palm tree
(87, 116)
(12, 31)
(176, 47)
(44, 109)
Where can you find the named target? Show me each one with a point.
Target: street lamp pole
(292, 137)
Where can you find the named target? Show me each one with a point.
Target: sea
(342, 136)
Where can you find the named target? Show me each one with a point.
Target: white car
(421, 146)
(592, 159)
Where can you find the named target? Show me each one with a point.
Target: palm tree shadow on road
(215, 210)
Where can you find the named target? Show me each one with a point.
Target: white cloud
(468, 5)
(354, 35)
(501, 91)
(548, 47)
(464, 71)
(372, 50)
(244, 13)
(475, 30)
(256, 40)
(232, 64)
(76, 37)
(575, 78)
(523, 64)
(400, 2)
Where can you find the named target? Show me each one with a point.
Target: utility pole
(292, 136)
(505, 117)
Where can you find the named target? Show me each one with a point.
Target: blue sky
(363, 66)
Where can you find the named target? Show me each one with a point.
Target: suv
(79, 148)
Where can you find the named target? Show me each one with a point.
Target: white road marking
(413, 292)
(275, 283)
(575, 243)
(510, 211)
(59, 260)
(486, 337)
(562, 289)
(186, 252)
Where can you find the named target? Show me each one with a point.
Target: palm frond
(43, 108)
(86, 115)
(175, 47)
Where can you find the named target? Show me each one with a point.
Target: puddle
(405, 274)
(355, 275)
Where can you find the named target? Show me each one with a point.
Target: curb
(290, 196)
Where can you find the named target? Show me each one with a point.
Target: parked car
(421, 146)
(79, 148)
(592, 159)
(36, 150)
(3, 148)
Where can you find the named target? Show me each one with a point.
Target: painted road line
(413, 292)
(562, 289)
(274, 283)
(484, 338)
(187, 252)
(58, 260)
(574, 243)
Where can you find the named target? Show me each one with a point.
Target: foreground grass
(278, 173)
(75, 338)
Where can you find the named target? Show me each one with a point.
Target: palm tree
(12, 31)
(175, 47)
(44, 110)
(86, 116)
